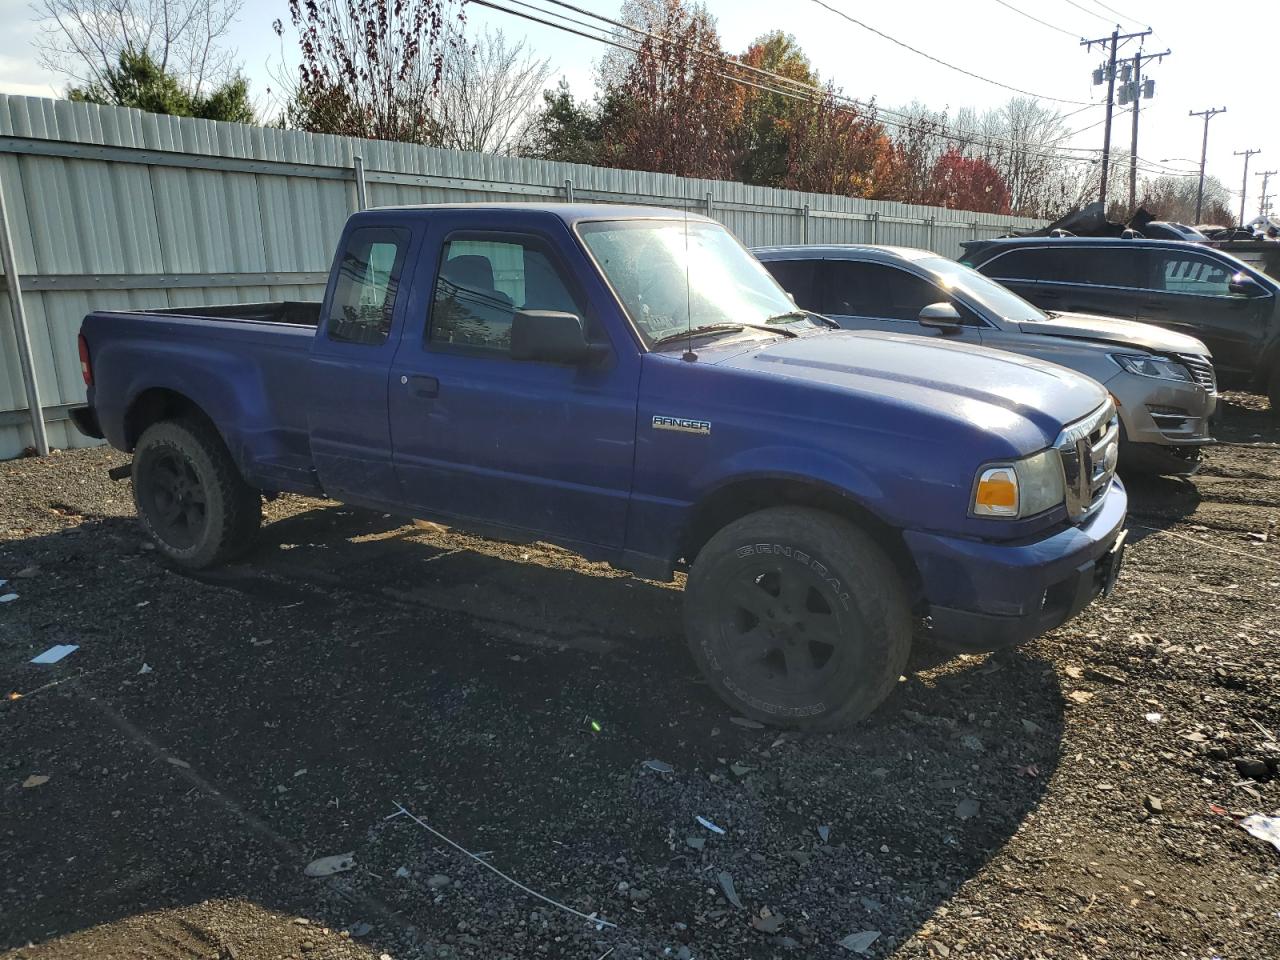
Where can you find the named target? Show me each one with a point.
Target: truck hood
(989, 389)
(1122, 333)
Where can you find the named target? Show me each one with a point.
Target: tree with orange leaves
(677, 105)
(839, 148)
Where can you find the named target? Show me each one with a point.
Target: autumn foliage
(968, 183)
(679, 105)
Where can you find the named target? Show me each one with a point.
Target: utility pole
(1244, 185)
(1109, 74)
(1134, 90)
(1265, 175)
(1204, 150)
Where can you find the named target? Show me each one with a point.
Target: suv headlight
(1022, 488)
(1145, 365)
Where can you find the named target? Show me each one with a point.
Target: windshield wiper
(815, 318)
(721, 328)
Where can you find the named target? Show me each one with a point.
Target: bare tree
(370, 68)
(85, 39)
(487, 94)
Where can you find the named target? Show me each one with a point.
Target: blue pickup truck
(631, 383)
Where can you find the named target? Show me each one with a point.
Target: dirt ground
(163, 788)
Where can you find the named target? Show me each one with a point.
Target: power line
(799, 89)
(1029, 16)
(1122, 16)
(1091, 12)
(929, 56)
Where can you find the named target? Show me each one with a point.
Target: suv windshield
(981, 291)
(673, 276)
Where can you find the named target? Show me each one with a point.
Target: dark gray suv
(1186, 287)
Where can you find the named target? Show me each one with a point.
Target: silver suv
(1162, 382)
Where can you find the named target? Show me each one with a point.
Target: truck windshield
(672, 276)
(1000, 301)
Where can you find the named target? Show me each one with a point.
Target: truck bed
(303, 313)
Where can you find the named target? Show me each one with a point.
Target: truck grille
(1090, 451)
(1201, 370)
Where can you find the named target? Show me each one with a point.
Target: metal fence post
(931, 222)
(568, 190)
(362, 196)
(711, 205)
(804, 224)
(26, 360)
(875, 227)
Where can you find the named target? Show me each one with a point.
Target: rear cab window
(368, 280)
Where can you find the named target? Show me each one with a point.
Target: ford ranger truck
(630, 383)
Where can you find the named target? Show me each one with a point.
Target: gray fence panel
(107, 204)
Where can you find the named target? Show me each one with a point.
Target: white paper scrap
(8, 598)
(55, 653)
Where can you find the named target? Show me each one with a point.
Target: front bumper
(983, 595)
(1163, 412)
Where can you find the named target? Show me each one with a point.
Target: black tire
(1273, 392)
(190, 496)
(797, 618)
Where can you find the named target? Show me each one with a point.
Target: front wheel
(798, 618)
(190, 495)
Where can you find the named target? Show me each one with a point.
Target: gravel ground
(163, 788)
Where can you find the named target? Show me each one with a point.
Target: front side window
(798, 278)
(364, 296)
(982, 292)
(1107, 266)
(856, 289)
(484, 280)
(1179, 271)
(673, 277)
(1033, 264)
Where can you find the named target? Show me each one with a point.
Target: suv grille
(1202, 370)
(1089, 450)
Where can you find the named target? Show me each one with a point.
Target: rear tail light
(86, 370)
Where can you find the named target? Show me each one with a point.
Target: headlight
(1020, 489)
(1145, 365)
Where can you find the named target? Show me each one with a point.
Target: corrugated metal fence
(112, 208)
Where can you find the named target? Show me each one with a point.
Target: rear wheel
(190, 496)
(798, 618)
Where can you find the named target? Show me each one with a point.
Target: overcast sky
(984, 37)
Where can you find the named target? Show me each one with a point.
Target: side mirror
(1243, 285)
(550, 336)
(941, 316)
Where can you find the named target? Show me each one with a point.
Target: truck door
(861, 295)
(360, 319)
(535, 446)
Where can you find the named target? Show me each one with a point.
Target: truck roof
(839, 251)
(570, 213)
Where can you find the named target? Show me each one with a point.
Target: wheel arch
(745, 495)
(156, 404)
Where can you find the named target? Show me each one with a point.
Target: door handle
(422, 386)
